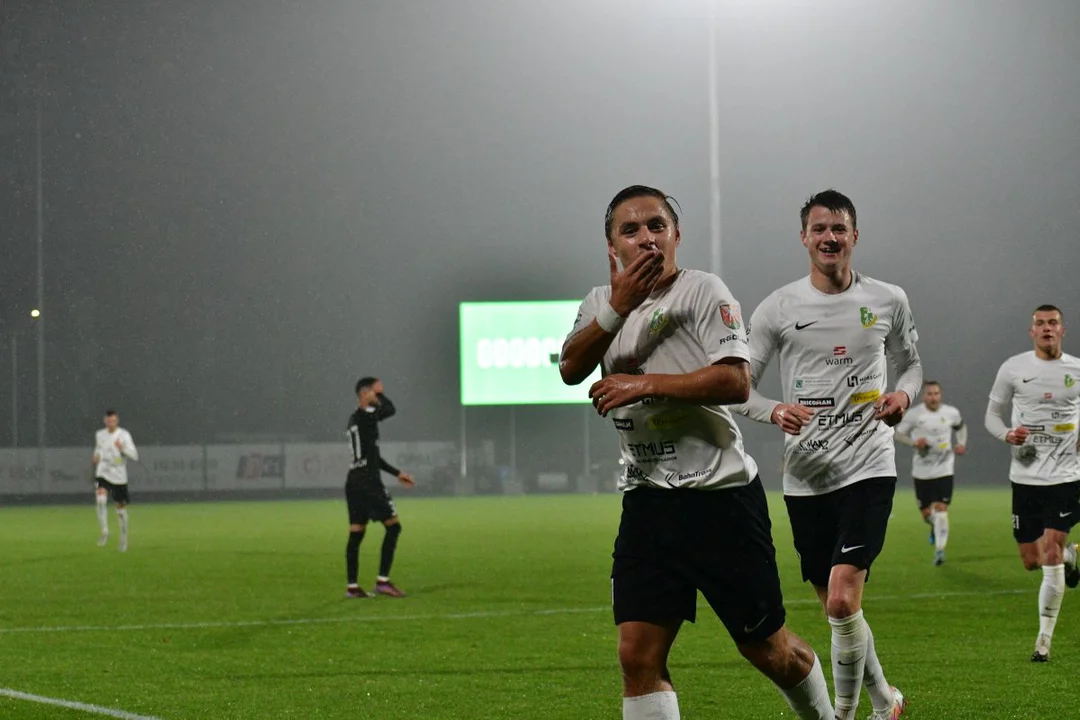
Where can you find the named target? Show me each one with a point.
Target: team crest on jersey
(867, 317)
(730, 315)
(659, 321)
(1069, 381)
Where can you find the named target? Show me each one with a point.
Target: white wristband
(609, 320)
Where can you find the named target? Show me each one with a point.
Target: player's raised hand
(119, 445)
(616, 391)
(920, 443)
(791, 417)
(960, 449)
(1017, 436)
(406, 479)
(890, 407)
(632, 286)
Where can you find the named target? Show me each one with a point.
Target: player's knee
(783, 657)
(356, 528)
(840, 605)
(641, 664)
(393, 530)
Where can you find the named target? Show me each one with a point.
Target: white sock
(941, 528)
(877, 687)
(121, 514)
(103, 514)
(1050, 594)
(654, 706)
(848, 662)
(1070, 554)
(810, 698)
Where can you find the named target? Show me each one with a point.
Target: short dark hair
(636, 191)
(932, 382)
(110, 412)
(832, 200)
(365, 382)
(1049, 308)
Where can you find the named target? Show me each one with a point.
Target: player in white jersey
(672, 348)
(113, 447)
(1043, 386)
(835, 332)
(929, 428)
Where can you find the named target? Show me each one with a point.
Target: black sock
(352, 556)
(389, 544)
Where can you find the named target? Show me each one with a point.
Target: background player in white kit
(113, 447)
(672, 347)
(1043, 386)
(835, 330)
(929, 427)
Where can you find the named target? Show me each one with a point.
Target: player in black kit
(367, 497)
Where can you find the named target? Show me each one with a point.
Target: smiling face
(829, 237)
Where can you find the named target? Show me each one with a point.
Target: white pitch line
(70, 705)
(446, 616)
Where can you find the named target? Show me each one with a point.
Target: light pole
(38, 312)
(714, 144)
(14, 389)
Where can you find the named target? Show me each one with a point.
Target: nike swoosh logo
(1026, 380)
(847, 549)
(752, 628)
(853, 662)
(1061, 514)
(804, 325)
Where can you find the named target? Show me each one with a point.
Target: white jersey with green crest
(936, 459)
(692, 323)
(1045, 397)
(834, 353)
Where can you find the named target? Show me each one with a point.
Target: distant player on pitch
(929, 429)
(113, 447)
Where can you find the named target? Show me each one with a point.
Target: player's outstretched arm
(723, 383)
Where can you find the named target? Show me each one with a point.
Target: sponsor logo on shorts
(626, 424)
(1065, 427)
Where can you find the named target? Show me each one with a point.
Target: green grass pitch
(236, 610)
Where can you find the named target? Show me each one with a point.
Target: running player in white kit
(836, 331)
(929, 427)
(672, 347)
(113, 447)
(1043, 386)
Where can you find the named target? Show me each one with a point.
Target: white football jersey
(1045, 396)
(691, 324)
(834, 351)
(112, 463)
(937, 459)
